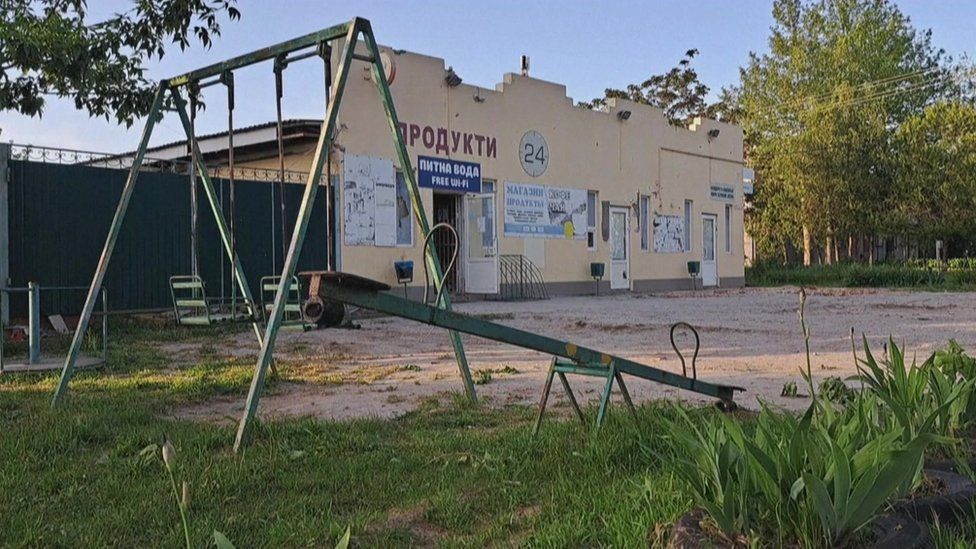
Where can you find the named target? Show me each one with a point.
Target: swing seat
(192, 307)
(293, 318)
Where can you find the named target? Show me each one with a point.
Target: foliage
(934, 160)
(818, 479)
(821, 112)
(678, 92)
(49, 47)
(859, 275)
(834, 390)
(958, 368)
(815, 480)
(789, 390)
(921, 398)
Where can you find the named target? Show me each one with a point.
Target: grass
(446, 474)
(859, 275)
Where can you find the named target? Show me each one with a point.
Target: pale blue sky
(587, 46)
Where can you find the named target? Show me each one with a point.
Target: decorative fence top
(51, 155)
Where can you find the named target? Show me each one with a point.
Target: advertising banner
(544, 212)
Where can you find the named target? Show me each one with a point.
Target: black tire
(903, 532)
(954, 505)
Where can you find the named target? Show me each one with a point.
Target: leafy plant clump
(833, 389)
(789, 390)
(816, 480)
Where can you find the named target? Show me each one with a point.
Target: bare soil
(749, 337)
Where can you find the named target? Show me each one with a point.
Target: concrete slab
(48, 364)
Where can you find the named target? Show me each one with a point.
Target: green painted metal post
(298, 237)
(379, 77)
(113, 235)
(572, 397)
(225, 237)
(605, 397)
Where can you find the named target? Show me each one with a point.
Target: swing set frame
(350, 33)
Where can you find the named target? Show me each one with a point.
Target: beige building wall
(594, 150)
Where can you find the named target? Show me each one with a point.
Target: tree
(819, 110)
(936, 175)
(48, 48)
(678, 92)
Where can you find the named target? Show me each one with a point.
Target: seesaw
(568, 358)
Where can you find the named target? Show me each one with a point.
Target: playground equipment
(293, 305)
(35, 360)
(351, 34)
(568, 357)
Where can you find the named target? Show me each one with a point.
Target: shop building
(522, 172)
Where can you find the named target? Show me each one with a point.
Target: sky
(586, 45)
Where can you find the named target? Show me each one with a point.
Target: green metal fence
(59, 215)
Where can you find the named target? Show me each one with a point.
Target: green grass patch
(447, 474)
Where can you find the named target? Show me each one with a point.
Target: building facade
(521, 172)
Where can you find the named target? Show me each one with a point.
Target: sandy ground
(749, 338)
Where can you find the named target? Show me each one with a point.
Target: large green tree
(935, 159)
(49, 48)
(819, 110)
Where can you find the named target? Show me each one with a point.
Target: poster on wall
(544, 212)
(669, 234)
(369, 201)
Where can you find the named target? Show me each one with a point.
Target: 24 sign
(534, 153)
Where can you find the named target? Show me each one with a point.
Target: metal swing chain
(193, 90)
(227, 78)
(280, 63)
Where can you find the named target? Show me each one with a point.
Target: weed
(483, 377)
(789, 390)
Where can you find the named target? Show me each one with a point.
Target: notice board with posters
(369, 201)
(540, 211)
(669, 234)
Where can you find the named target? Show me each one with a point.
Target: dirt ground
(749, 337)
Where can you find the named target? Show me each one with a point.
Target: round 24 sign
(534, 153)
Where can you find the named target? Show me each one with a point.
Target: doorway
(709, 269)
(619, 248)
(481, 257)
(446, 209)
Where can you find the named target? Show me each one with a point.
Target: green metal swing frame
(352, 33)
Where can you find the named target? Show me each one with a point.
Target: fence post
(4, 228)
(34, 322)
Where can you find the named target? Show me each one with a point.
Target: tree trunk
(829, 247)
(807, 246)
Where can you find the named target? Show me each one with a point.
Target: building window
(590, 220)
(645, 226)
(488, 186)
(404, 213)
(688, 207)
(728, 228)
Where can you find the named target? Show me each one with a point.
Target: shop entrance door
(446, 210)
(619, 249)
(709, 270)
(481, 259)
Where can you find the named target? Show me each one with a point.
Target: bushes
(918, 274)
